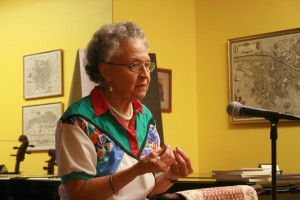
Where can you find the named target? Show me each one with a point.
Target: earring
(110, 88)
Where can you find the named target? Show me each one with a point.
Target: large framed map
(39, 125)
(43, 74)
(264, 72)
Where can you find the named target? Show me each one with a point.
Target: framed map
(39, 125)
(264, 72)
(43, 74)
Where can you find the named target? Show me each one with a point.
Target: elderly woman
(107, 144)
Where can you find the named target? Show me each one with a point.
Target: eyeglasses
(136, 67)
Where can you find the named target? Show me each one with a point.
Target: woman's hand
(180, 168)
(159, 161)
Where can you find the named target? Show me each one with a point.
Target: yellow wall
(224, 146)
(189, 37)
(34, 26)
(181, 31)
(170, 28)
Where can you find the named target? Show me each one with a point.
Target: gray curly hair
(105, 43)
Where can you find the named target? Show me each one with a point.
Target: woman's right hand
(158, 161)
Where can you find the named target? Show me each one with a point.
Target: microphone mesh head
(233, 109)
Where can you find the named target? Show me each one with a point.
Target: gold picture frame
(43, 75)
(264, 72)
(165, 89)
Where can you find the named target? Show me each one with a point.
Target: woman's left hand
(181, 167)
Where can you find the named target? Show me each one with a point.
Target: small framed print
(165, 89)
(43, 74)
(39, 125)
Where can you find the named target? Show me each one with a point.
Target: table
(45, 188)
(288, 187)
(29, 188)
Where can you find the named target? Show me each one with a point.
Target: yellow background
(188, 36)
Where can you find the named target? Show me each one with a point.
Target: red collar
(100, 104)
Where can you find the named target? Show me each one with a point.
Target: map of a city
(266, 73)
(39, 124)
(42, 75)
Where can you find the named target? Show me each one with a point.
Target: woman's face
(125, 83)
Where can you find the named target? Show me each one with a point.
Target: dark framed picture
(39, 125)
(264, 72)
(43, 74)
(165, 89)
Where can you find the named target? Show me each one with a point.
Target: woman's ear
(104, 70)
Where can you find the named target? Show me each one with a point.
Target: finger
(166, 159)
(168, 153)
(157, 153)
(176, 169)
(169, 156)
(186, 159)
(175, 165)
(182, 164)
(161, 150)
(159, 162)
(152, 155)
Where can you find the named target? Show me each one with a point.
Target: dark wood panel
(23, 189)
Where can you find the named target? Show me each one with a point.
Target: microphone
(235, 109)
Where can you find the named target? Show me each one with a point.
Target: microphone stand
(273, 137)
(237, 109)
